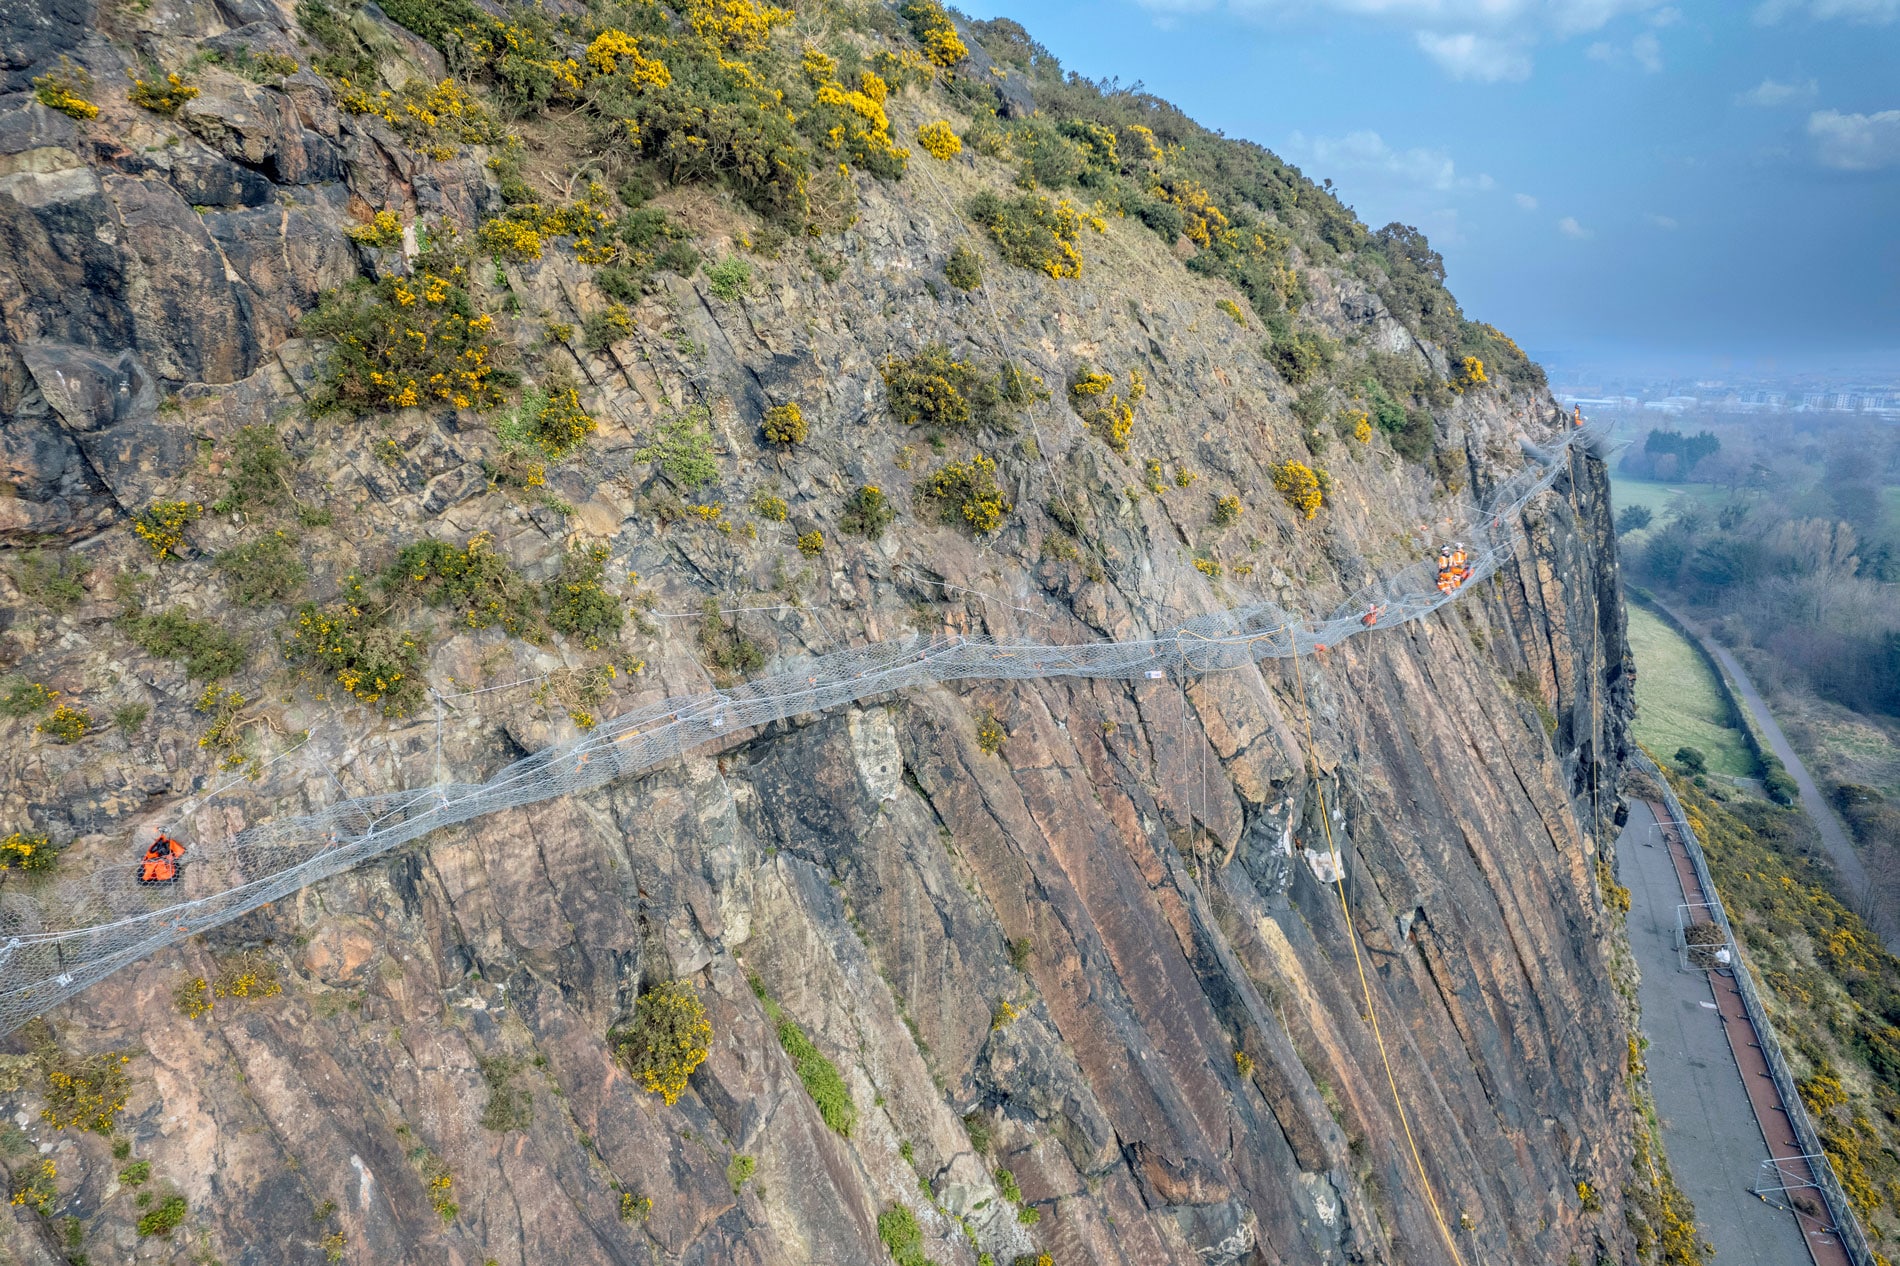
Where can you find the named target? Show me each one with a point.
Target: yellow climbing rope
(1365, 985)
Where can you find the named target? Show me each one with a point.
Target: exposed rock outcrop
(1184, 1072)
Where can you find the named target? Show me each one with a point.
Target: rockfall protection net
(69, 930)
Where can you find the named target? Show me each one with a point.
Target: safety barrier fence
(75, 928)
(1807, 1137)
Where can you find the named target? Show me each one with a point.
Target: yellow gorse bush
(162, 525)
(161, 96)
(615, 52)
(1204, 220)
(785, 424)
(667, 1039)
(64, 90)
(1300, 486)
(402, 342)
(431, 117)
(940, 140)
(1110, 413)
(29, 853)
(382, 232)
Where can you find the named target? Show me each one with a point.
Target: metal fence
(1846, 1225)
(85, 922)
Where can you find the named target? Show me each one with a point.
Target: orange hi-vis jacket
(160, 863)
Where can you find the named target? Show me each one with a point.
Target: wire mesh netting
(74, 929)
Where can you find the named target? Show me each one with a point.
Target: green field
(1660, 496)
(1677, 701)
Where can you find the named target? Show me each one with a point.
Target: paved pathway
(1708, 1122)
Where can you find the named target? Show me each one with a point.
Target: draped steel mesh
(78, 926)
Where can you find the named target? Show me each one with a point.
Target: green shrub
(601, 330)
(161, 96)
(509, 1108)
(81, 1092)
(166, 1217)
(1031, 231)
(162, 525)
(28, 854)
(684, 448)
(667, 1039)
(260, 68)
(1692, 760)
(369, 658)
(727, 650)
(903, 1238)
(24, 698)
(1007, 1185)
(785, 424)
(968, 492)
(130, 718)
(867, 512)
(67, 724)
(207, 652)
(823, 1081)
(579, 606)
(65, 88)
(965, 268)
(934, 388)
(257, 472)
(401, 342)
(475, 582)
(36, 1186)
(729, 278)
(739, 1171)
(137, 1174)
(263, 571)
(1298, 355)
(551, 421)
(55, 582)
(1110, 414)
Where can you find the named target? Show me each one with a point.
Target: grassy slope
(1677, 701)
(1832, 992)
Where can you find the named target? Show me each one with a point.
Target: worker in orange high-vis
(161, 862)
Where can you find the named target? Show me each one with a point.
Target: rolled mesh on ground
(66, 932)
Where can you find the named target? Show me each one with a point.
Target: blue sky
(1635, 185)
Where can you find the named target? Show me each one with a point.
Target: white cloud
(1770, 93)
(1645, 50)
(1569, 227)
(1485, 41)
(1526, 201)
(1470, 56)
(1855, 142)
(1367, 151)
(1872, 11)
(1666, 223)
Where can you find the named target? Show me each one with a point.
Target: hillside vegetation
(402, 389)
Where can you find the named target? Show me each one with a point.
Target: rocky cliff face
(1104, 955)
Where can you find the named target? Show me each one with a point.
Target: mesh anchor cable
(77, 927)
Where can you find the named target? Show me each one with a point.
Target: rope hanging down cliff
(78, 928)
